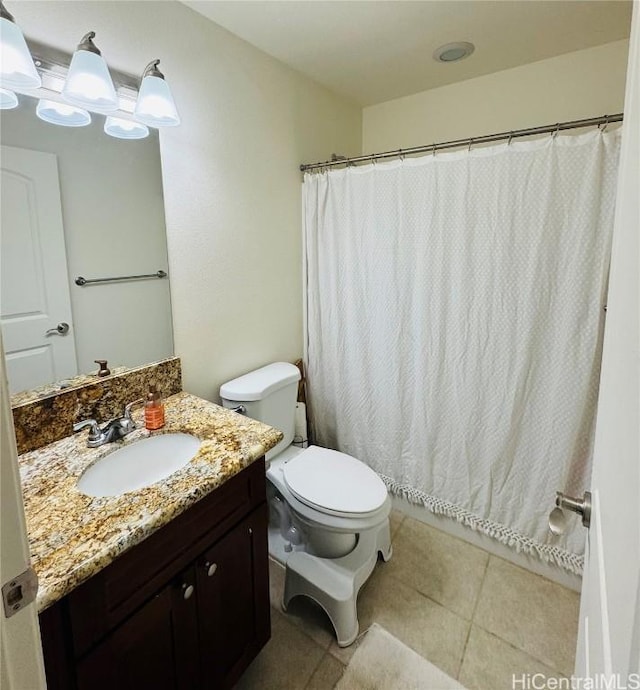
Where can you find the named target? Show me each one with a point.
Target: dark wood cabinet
(194, 621)
(153, 648)
(233, 601)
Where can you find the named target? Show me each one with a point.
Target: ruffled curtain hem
(567, 560)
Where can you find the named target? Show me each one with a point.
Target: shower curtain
(454, 313)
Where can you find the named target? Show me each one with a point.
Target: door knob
(582, 506)
(187, 591)
(210, 568)
(61, 329)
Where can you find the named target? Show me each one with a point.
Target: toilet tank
(269, 395)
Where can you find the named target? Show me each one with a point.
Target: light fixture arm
(87, 43)
(5, 14)
(151, 70)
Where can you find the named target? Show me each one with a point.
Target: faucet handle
(94, 432)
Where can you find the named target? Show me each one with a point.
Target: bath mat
(382, 662)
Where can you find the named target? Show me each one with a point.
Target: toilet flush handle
(240, 409)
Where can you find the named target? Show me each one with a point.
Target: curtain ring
(555, 134)
(510, 138)
(373, 158)
(401, 154)
(605, 125)
(470, 142)
(433, 150)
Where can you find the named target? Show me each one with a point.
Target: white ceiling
(375, 51)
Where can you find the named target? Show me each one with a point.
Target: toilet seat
(334, 483)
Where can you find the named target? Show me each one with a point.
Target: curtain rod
(488, 138)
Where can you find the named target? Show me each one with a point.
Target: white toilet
(329, 513)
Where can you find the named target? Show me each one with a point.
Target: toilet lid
(334, 482)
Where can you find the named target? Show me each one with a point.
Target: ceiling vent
(453, 52)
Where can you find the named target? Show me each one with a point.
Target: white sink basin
(138, 465)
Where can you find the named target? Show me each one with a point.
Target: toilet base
(334, 583)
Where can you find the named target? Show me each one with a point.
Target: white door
(609, 639)
(34, 283)
(21, 666)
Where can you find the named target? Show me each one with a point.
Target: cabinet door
(156, 647)
(233, 601)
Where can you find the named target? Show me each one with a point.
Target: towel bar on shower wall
(87, 281)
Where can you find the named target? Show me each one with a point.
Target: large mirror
(79, 203)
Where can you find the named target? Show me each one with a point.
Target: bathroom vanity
(165, 587)
(186, 608)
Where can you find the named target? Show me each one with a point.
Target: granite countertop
(72, 536)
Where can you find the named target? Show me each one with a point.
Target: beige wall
(230, 173)
(586, 83)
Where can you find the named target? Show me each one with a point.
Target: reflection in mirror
(77, 202)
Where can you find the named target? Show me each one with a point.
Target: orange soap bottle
(154, 411)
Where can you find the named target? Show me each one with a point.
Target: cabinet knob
(210, 568)
(187, 590)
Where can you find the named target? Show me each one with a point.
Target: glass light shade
(155, 106)
(62, 114)
(89, 83)
(17, 70)
(8, 100)
(125, 129)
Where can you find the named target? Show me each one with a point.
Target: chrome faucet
(114, 430)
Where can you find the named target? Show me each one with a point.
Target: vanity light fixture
(8, 99)
(17, 70)
(155, 106)
(62, 114)
(89, 84)
(125, 129)
(69, 94)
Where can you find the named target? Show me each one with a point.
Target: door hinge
(19, 591)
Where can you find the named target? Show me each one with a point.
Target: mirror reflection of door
(34, 288)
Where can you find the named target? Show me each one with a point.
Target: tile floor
(476, 616)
